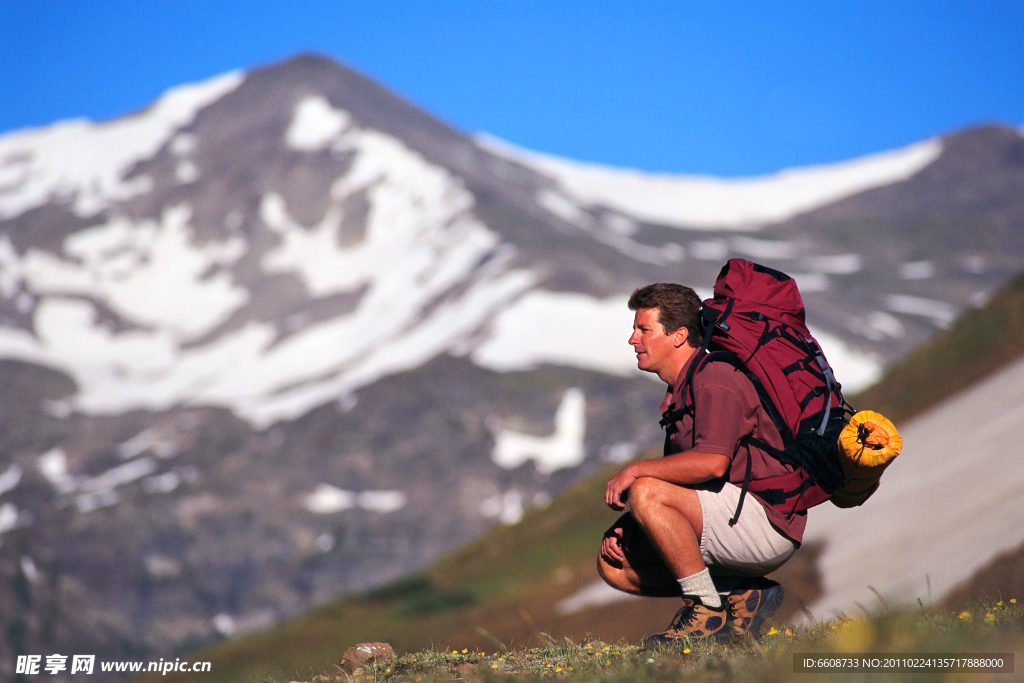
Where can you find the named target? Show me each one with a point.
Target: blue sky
(719, 87)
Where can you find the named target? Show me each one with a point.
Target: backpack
(755, 321)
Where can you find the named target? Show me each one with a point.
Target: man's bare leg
(662, 535)
(641, 571)
(672, 520)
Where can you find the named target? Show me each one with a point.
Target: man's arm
(690, 467)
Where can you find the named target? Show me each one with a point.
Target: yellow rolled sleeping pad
(867, 445)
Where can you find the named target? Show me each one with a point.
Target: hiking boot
(693, 620)
(748, 609)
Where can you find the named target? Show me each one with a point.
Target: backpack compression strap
(772, 496)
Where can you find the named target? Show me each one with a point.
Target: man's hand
(612, 546)
(618, 488)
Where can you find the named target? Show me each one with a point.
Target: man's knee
(650, 499)
(613, 576)
(644, 493)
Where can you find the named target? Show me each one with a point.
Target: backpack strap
(746, 485)
(710, 319)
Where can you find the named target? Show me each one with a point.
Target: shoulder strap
(710, 319)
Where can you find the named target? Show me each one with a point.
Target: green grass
(989, 629)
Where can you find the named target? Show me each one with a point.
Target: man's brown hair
(677, 305)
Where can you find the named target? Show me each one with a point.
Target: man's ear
(680, 336)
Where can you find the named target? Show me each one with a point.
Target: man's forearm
(691, 467)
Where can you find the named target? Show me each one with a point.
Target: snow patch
(520, 337)
(150, 274)
(85, 163)
(596, 594)
(148, 439)
(917, 270)
(53, 466)
(976, 265)
(940, 312)
(507, 507)
(327, 499)
(879, 326)
(8, 517)
(563, 207)
(703, 202)
(161, 483)
(709, 250)
(856, 370)
(315, 124)
(563, 448)
(838, 264)
(620, 452)
(760, 249)
(162, 567)
(812, 282)
(118, 476)
(29, 569)
(186, 172)
(10, 478)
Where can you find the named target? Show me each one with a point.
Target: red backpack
(755, 321)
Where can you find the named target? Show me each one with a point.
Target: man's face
(655, 350)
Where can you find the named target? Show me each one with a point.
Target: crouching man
(676, 537)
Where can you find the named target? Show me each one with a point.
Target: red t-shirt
(726, 410)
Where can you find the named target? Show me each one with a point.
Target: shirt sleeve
(720, 420)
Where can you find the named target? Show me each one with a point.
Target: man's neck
(671, 376)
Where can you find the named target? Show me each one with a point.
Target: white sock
(701, 586)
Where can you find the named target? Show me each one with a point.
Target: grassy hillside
(986, 638)
(500, 594)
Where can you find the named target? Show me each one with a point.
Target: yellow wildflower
(558, 669)
(464, 651)
(965, 615)
(686, 651)
(1013, 601)
(494, 666)
(772, 631)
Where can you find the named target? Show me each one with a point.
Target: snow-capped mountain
(282, 335)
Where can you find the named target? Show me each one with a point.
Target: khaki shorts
(752, 547)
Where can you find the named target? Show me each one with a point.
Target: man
(676, 537)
